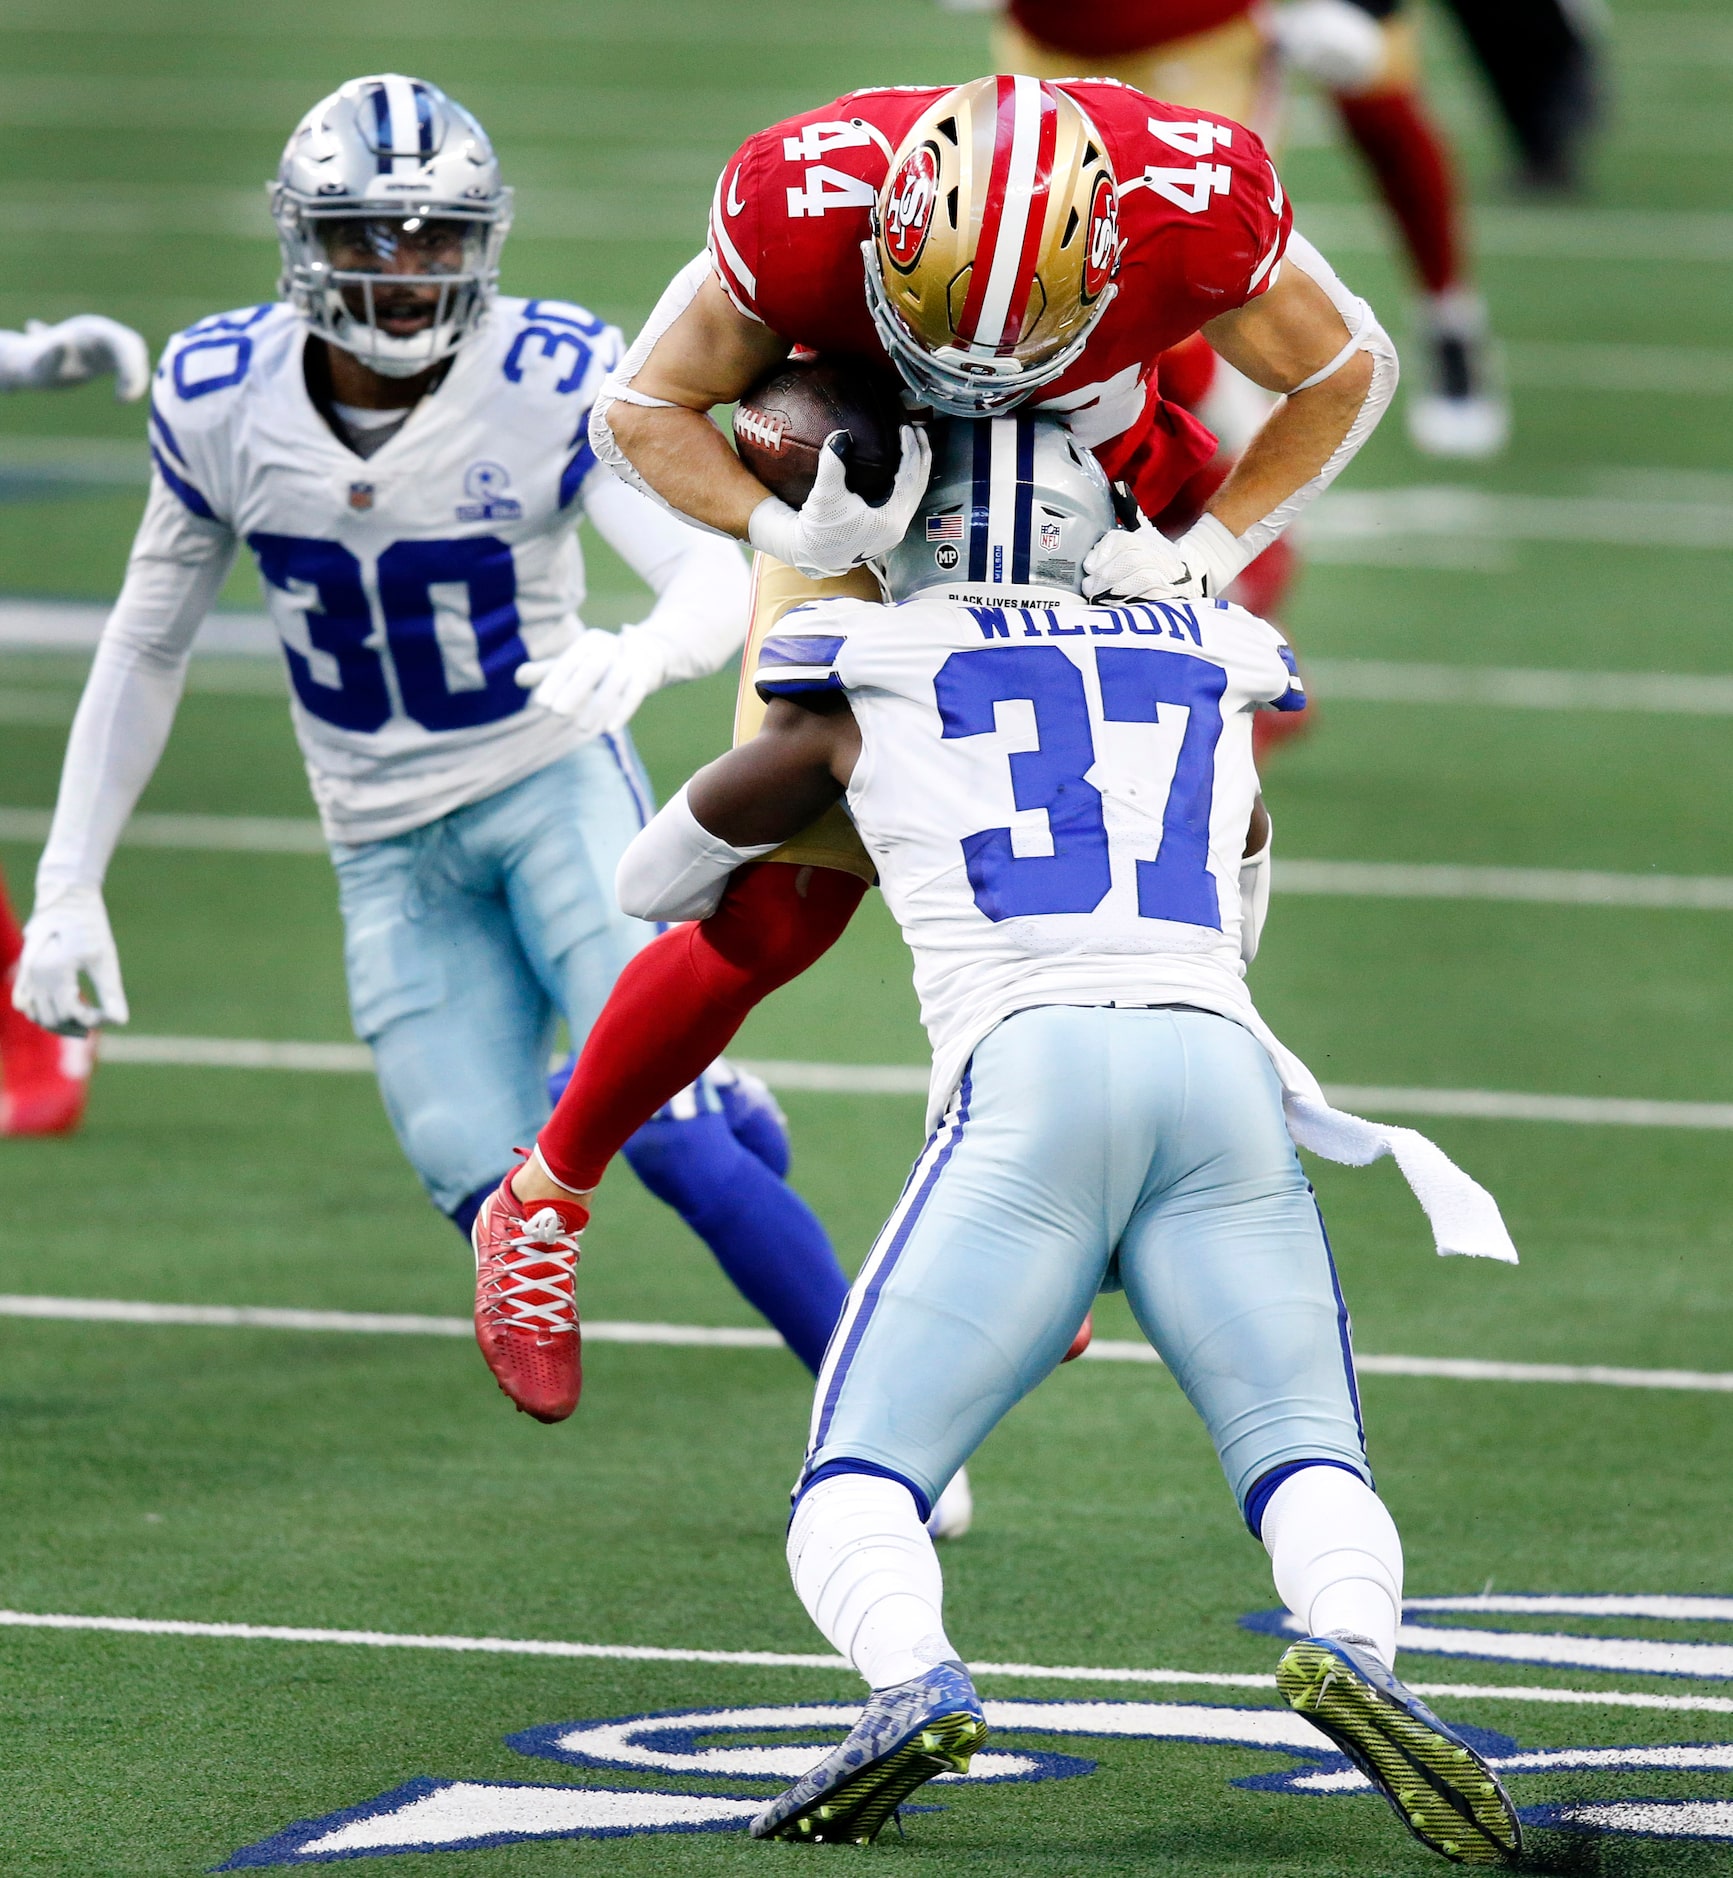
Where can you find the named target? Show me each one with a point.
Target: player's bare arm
(784, 779)
(709, 355)
(1279, 341)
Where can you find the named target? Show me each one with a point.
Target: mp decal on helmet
(391, 215)
(995, 243)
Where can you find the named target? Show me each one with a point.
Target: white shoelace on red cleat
(521, 1292)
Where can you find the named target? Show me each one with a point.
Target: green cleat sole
(859, 1810)
(1441, 1791)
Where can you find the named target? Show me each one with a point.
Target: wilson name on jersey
(408, 586)
(1056, 797)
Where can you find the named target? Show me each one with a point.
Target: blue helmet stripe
(424, 119)
(1023, 512)
(382, 123)
(981, 501)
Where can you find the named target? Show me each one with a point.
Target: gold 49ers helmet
(995, 243)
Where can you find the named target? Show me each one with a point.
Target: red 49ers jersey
(1203, 219)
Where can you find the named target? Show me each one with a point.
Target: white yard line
(1535, 234)
(1556, 886)
(780, 1659)
(1573, 365)
(233, 834)
(74, 626)
(271, 834)
(886, 1079)
(704, 1336)
(1522, 688)
(1350, 518)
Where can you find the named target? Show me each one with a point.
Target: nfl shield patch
(360, 495)
(1049, 537)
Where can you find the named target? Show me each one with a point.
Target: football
(781, 424)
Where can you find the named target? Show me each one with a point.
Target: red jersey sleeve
(1204, 217)
(792, 207)
(1234, 216)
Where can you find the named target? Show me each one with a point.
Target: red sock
(676, 1007)
(1414, 175)
(11, 933)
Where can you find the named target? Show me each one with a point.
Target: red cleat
(44, 1079)
(1081, 1342)
(526, 1310)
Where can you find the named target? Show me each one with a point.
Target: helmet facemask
(399, 287)
(957, 383)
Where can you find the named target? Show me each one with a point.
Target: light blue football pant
(1087, 1148)
(467, 939)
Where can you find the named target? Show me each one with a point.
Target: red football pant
(1408, 158)
(676, 1007)
(11, 933)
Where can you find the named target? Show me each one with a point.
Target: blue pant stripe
(634, 782)
(1344, 1329)
(869, 1297)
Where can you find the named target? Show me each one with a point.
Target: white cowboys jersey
(1056, 796)
(408, 586)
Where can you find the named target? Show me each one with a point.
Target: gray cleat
(907, 1734)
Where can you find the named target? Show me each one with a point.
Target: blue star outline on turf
(428, 1814)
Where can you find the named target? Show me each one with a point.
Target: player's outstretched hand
(834, 529)
(86, 346)
(1139, 564)
(599, 680)
(67, 936)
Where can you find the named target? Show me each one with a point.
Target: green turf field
(381, 1484)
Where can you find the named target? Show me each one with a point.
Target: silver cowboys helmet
(1013, 502)
(391, 216)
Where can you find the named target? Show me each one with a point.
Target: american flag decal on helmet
(1009, 249)
(945, 527)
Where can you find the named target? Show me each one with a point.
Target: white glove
(600, 679)
(834, 529)
(1336, 45)
(69, 935)
(83, 347)
(1142, 564)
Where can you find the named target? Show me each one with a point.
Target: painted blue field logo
(761, 1748)
(1426, 1632)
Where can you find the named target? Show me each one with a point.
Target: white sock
(1336, 1556)
(865, 1568)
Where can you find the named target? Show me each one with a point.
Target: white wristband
(773, 528)
(1213, 552)
(677, 869)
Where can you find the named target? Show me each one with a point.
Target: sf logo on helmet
(909, 210)
(1102, 256)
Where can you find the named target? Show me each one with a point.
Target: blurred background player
(1096, 228)
(44, 1078)
(405, 452)
(1226, 56)
(1108, 1108)
(1543, 64)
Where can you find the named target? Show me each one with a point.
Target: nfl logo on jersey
(360, 496)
